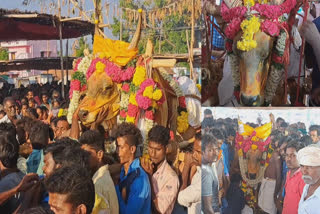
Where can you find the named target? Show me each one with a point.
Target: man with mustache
(294, 183)
(309, 160)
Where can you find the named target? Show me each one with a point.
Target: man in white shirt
(10, 110)
(309, 160)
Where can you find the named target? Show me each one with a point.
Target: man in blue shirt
(133, 190)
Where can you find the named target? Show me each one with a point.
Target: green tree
(78, 50)
(168, 33)
(4, 54)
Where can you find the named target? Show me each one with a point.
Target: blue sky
(35, 6)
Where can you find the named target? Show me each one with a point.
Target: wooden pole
(61, 50)
(121, 24)
(98, 17)
(192, 41)
(67, 54)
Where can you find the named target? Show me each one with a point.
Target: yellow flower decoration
(100, 67)
(100, 205)
(249, 27)
(249, 3)
(182, 122)
(199, 87)
(254, 147)
(130, 119)
(62, 112)
(157, 95)
(154, 104)
(139, 76)
(148, 92)
(240, 153)
(132, 99)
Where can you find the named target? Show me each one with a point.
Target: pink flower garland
(144, 102)
(149, 115)
(132, 110)
(92, 67)
(77, 64)
(246, 143)
(270, 27)
(271, 13)
(112, 70)
(233, 28)
(75, 85)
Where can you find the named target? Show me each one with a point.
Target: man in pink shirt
(294, 182)
(164, 181)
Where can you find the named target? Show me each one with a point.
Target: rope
(305, 9)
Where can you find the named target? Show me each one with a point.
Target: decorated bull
(144, 95)
(257, 41)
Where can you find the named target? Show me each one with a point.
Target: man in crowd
(190, 195)
(9, 173)
(39, 138)
(220, 166)
(164, 181)
(71, 190)
(209, 179)
(133, 190)
(294, 183)
(271, 183)
(61, 128)
(93, 142)
(314, 132)
(309, 160)
(10, 110)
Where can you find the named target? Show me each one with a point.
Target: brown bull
(103, 94)
(253, 73)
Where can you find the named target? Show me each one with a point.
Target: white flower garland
(172, 83)
(74, 103)
(234, 66)
(84, 64)
(124, 100)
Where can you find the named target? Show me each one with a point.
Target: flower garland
(182, 119)
(249, 26)
(243, 145)
(78, 84)
(128, 105)
(237, 15)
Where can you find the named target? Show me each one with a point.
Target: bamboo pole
(121, 11)
(61, 50)
(192, 41)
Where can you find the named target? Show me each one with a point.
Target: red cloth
(294, 188)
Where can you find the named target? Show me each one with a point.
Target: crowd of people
(289, 184)
(50, 166)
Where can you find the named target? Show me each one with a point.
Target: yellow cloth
(100, 205)
(114, 50)
(262, 132)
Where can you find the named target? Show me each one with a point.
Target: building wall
(29, 49)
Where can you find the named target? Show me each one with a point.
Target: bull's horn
(136, 36)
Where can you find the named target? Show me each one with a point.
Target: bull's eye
(107, 88)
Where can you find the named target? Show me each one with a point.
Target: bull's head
(253, 72)
(102, 92)
(254, 67)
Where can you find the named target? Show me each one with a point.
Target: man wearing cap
(309, 160)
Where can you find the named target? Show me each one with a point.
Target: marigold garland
(249, 27)
(237, 15)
